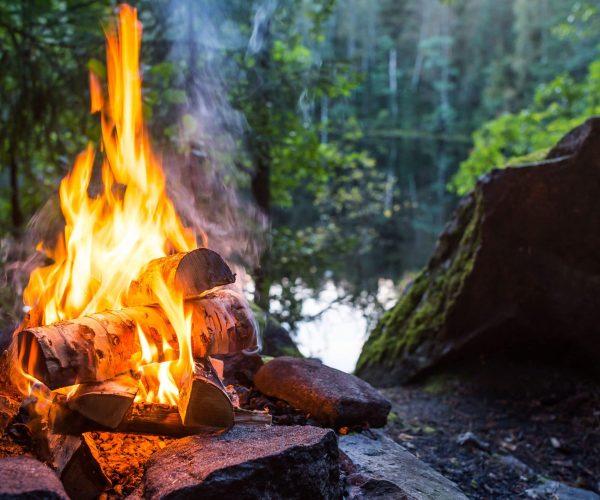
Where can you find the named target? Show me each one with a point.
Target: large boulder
(516, 272)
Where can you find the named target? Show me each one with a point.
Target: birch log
(103, 345)
(190, 273)
(105, 402)
(203, 400)
(144, 418)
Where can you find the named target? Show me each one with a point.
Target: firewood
(75, 459)
(100, 346)
(105, 402)
(252, 417)
(143, 418)
(190, 273)
(203, 400)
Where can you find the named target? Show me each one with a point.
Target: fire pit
(132, 329)
(122, 325)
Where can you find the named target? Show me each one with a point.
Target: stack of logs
(89, 363)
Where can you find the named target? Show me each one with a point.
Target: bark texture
(100, 346)
(191, 273)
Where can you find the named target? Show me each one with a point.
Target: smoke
(262, 18)
(211, 186)
(207, 170)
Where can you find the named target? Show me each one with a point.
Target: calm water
(416, 208)
(338, 335)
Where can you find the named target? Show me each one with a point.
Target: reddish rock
(332, 397)
(247, 462)
(24, 477)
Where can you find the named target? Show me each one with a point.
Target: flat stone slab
(332, 397)
(27, 478)
(381, 468)
(247, 462)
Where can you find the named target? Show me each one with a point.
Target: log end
(203, 401)
(202, 270)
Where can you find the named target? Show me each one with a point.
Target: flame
(109, 237)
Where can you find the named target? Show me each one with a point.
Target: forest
(381, 114)
(401, 162)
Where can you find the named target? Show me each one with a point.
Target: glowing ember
(109, 238)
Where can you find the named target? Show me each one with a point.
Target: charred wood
(143, 418)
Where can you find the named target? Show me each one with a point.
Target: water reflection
(415, 209)
(338, 334)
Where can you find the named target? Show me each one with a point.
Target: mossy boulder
(516, 272)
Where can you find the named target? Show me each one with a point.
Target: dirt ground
(528, 423)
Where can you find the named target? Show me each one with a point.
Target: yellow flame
(109, 237)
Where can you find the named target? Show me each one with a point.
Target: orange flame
(108, 238)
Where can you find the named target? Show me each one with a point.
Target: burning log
(75, 459)
(143, 418)
(103, 345)
(203, 400)
(105, 402)
(190, 273)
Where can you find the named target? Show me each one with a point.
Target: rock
(555, 443)
(515, 464)
(330, 396)
(515, 273)
(24, 477)
(247, 462)
(384, 469)
(240, 367)
(277, 341)
(560, 491)
(470, 439)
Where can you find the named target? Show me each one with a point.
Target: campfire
(121, 327)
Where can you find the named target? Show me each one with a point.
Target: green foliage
(526, 136)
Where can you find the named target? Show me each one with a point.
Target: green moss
(393, 417)
(439, 384)
(533, 157)
(291, 351)
(422, 311)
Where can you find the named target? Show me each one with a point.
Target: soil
(531, 422)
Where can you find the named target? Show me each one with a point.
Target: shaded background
(320, 144)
